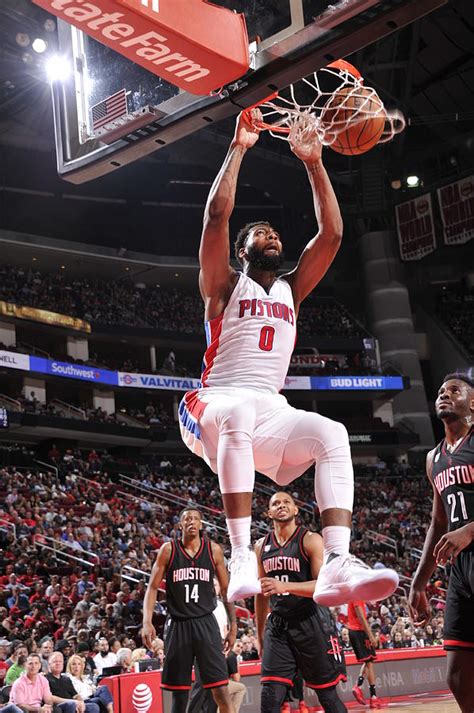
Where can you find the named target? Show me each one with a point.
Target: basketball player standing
(238, 422)
(450, 537)
(190, 564)
(298, 634)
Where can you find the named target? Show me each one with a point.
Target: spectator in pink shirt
(31, 691)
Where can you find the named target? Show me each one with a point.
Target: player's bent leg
(342, 577)
(235, 421)
(330, 700)
(459, 675)
(273, 695)
(222, 698)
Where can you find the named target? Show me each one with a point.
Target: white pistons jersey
(250, 344)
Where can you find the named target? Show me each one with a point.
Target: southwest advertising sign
(92, 374)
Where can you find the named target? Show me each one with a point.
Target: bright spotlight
(413, 181)
(39, 45)
(58, 68)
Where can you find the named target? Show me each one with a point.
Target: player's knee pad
(273, 695)
(330, 701)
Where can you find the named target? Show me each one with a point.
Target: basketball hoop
(327, 105)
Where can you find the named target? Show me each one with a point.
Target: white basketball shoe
(243, 569)
(344, 578)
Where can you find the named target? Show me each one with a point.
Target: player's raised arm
(417, 600)
(217, 278)
(157, 574)
(319, 253)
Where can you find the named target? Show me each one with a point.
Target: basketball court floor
(444, 703)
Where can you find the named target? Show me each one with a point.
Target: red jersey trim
(216, 684)
(209, 548)
(198, 553)
(302, 549)
(458, 447)
(461, 644)
(285, 544)
(341, 677)
(278, 679)
(215, 329)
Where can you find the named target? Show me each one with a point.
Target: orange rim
(263, 125)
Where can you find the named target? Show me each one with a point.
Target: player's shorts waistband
(284, 621)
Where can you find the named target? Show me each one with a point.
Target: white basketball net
(330, 112)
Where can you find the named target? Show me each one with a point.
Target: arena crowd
(70, 534)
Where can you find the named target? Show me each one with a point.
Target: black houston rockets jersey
(288, 563)
(190, 588)
(453, 478)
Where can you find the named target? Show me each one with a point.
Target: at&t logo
(142, 698)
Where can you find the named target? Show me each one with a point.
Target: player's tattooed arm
(223, 579)
(420, 609)
(217, 278)
(157, 574)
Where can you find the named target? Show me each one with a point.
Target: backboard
(288, 40)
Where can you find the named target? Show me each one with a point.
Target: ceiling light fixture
(413, 181)
(39, 45)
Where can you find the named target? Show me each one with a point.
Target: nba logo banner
(415, 228)
(456, 205)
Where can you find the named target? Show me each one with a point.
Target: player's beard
(258, 260)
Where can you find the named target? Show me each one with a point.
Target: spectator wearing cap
(32, 690)
(64, 695)
(104, 658)
(64, 647)
(84, 584)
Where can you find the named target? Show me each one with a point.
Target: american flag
(109, 109)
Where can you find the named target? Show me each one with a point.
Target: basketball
(359, 136)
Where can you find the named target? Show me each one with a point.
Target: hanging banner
(415, 228)
(456, 205)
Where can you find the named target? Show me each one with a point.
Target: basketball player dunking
(450, 537)
(238, 422)
(298, 634)
(190, 564)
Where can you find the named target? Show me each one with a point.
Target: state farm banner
(415, 228)
(456, 205)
